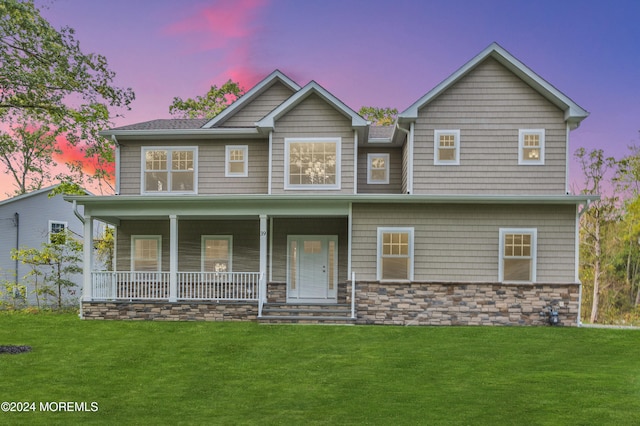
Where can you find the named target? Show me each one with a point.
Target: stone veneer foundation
(464, 304)
(384, 303)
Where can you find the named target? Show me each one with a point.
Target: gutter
(76, 212)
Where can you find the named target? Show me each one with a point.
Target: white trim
(228, 238)
(349, 239)
(118, 163)
(370, 157)
(410, 158)
(169, 150)
(391, 229)
(57, 222)
(534, 251)
(355, 161)
(312, 187)
(521, 134)
(227, 160)
(134, 238)
(270, 163)
(577, 248)
(436, 147)
(566, 165)
(270, 248)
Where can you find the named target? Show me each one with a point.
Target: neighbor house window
(56, 227)
(518, 255)
(236, 161)
(217, 253)
(531, 146)
(312, 163)
(446, 147)
(169, 170)
(377, 168)
(147, 252)
(395, 254)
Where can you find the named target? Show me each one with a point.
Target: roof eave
(183, 133)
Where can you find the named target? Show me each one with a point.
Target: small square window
(55, 228)
(446, 147)
(236, 161)
(378, 169)
(531, 146)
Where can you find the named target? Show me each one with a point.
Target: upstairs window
(518, 255)
(531, 146)
(446, 147)
(146, 253)
(236, 161)
(57, 227)
(377, 169)
(169, 170)
(312, 163)
(395, 254)
(217, 253)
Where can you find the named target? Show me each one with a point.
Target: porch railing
(240, 286)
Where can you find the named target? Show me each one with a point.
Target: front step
(311, 313)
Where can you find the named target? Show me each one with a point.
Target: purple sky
(378, 53)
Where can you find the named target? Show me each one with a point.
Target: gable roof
(267, 82)
(268, 121)
(166, 124)
(574, 113)
(34, 193)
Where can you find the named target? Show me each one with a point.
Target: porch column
(87, 260)
(173, 258)
(263, 258)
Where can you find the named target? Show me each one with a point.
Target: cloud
(229, 28)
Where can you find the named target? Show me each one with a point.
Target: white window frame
(57, 222)
(134, 238)
(204, 238)
(384, 230)
(228, 160)
(436, 147)
(169, 149)
(521, 136)
(534, 251)
(312, 187)
(370, 158)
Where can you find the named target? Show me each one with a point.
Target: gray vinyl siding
(282, 227)
(395, 171)
(245, 233)
(459, 243)
(313, 117)
(259, 107)
(211, 164)
(489, 106)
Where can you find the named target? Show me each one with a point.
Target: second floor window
(312, 163)
(531, 146)
(236, 161)
(446, 147)
(169, 170)
(378, 168)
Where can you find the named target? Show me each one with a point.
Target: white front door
(312, 268)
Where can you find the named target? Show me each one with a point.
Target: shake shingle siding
(489, 106)
(259, 107)
(459, 243)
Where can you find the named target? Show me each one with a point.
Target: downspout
(16, 221)
(115, 140)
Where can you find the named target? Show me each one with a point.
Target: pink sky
(372, 52)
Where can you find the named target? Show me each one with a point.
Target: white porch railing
(218, 285)
(190, 285)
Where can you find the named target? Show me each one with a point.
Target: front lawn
(245, 373)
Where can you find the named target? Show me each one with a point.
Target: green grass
(244, 373)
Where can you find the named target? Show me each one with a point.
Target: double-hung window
(236, 161)
(395, 254)
(312, 163)
(446, 147)
(518, 254)
(169, 170)
(377, 169)
(531, 146)
(56, 227)
(217, 253)
(146, 252)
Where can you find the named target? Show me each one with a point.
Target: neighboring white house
(28, 220)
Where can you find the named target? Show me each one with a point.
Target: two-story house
(290, 206)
